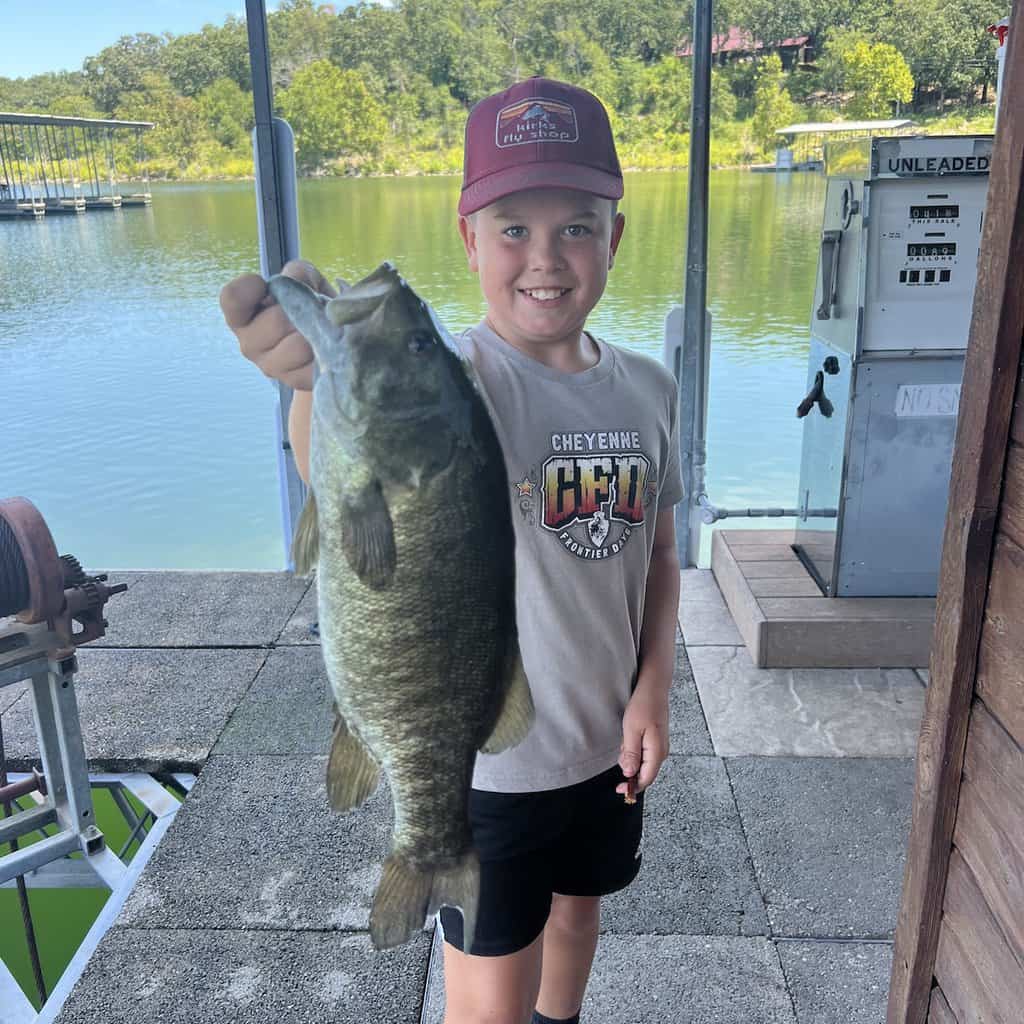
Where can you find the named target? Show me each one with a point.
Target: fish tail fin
(407, 895)
(459, 887)
(306, 542)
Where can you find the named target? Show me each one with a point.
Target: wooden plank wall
(960, 920)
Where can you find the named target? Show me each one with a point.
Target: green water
(60, 917)
(147, 441)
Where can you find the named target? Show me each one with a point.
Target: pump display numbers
(931, 249)
(949, 212)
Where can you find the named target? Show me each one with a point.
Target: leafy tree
(39, 92)
(945, 44)
(74, 104)
(877, 74)
(773, 106)
(644, 29)
(332, 114)
(199, 59)
(120, 68)
(174, 142)
(227, 113)
(298, 33)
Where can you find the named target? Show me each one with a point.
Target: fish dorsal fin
(364, 297)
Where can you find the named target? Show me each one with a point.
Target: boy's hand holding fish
(265, 334)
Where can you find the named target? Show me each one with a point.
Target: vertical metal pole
(55, 172)
(40, 163)
(26, 909)
(695, 332)
(90, 154)
(278, 229)
(700, 140)
(8, 175)
(111, 161)
(19, 148)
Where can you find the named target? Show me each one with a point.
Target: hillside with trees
(371, 88)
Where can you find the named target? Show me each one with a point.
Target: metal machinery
(48, 608)
(889, 328)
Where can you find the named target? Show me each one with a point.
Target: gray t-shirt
(591, 458)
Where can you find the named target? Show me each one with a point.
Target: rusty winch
(39, 586)
(51, 606)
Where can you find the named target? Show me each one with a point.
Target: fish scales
(417, 664)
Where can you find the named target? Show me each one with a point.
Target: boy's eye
(515, 231)
(577, 230)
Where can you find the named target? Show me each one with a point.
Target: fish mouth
(544, 296)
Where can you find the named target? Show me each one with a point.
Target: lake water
(131, 420)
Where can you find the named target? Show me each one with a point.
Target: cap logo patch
(536, 120)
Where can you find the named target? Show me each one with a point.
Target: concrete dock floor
(773, 850)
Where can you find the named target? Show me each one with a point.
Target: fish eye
(420, 341)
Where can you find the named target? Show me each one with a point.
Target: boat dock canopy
(54, 164)
(831, 127)
(70, 122)
(807, 140)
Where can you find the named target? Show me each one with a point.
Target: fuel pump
(889, 328)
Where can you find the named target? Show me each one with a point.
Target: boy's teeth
(544, 293)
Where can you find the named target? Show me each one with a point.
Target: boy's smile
(543, 257)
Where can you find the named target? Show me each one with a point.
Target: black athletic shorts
(583, 840)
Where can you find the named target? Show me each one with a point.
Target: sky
(61, 35)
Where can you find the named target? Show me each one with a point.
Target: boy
(589, 437)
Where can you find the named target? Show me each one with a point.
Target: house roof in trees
(739, 40)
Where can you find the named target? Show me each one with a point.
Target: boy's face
(543, 257)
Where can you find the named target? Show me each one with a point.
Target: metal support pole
(277, 209)
(55, 173)
(26, 910)
(90, 156)
(8, 175)
(18, 149)
(41, 163)
(694, 370)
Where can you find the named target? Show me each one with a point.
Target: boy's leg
(570, 939)
(491, 989)
(599, 855)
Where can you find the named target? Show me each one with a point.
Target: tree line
(375, 88)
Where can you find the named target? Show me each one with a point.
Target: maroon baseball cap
(538, 134)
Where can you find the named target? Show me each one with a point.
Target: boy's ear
(618, 226)
(468, 235)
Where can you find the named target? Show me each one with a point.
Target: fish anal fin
(306, 541)
(516, 715)
(352, 773)
(368, 536)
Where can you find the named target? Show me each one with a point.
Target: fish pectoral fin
(408, 894)
(516, 714)
(352, 773)
(368, 536)
(306, 542)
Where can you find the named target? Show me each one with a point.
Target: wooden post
(986, 406)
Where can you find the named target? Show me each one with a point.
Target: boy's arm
(645, 722)
(299, 418)
(267, 338)
(661, 606)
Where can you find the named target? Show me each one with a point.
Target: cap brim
(548, 174)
